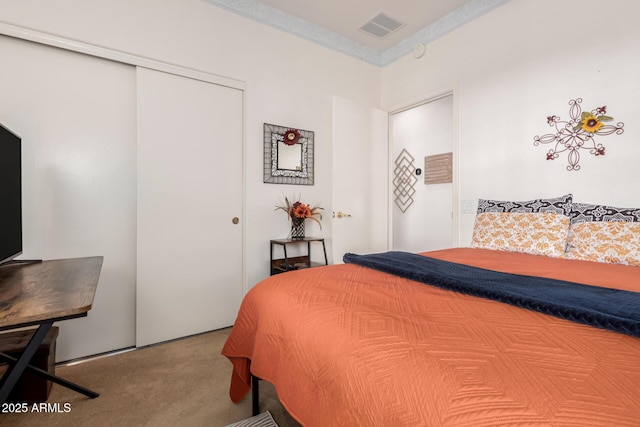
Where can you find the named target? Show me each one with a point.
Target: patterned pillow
(543, 233)
(560, 205)
(584, 212)
(604, 234)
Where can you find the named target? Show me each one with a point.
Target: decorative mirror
(288, 155)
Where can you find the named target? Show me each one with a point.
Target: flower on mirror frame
(297, 211)
(291, 136)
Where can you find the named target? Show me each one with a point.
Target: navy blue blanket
(612, 309)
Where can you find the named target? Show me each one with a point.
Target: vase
(297, 229)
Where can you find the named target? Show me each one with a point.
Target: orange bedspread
(349, 346)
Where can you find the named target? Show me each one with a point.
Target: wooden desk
(42, 293)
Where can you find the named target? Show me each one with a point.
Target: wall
(289, 81)
(514, 67)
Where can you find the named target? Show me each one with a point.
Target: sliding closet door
(76, 116)
(189, 272)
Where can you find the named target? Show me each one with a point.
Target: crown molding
(260, 12)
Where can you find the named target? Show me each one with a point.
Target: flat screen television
(10, 195)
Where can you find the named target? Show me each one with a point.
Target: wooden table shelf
(282, 265)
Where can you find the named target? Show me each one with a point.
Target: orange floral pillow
(540, 233)
(604, 234)
(611, 242)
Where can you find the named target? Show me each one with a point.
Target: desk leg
(44, 374)
(18, 366)
(13, 373)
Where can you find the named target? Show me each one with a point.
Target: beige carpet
(184, 382)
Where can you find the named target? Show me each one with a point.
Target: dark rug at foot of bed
(263, 420)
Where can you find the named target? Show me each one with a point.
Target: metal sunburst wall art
(578, 133)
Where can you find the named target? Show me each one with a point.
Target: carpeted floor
(183, 382)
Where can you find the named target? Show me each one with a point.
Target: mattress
(345, 345)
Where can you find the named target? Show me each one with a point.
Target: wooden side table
(281, 265)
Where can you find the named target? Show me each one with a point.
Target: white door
(190, 195)
(427, 223)
(360, 172)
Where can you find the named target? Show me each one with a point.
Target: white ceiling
(336, 23)
(346, 16)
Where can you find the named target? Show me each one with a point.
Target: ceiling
(337, 23)
(344, 17)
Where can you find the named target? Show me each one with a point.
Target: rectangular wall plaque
(438, 169)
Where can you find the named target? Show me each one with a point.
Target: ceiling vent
(381, 25)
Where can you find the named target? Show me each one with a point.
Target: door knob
(235, 220)
(340, 214)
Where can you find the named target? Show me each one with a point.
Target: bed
(350, 345)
